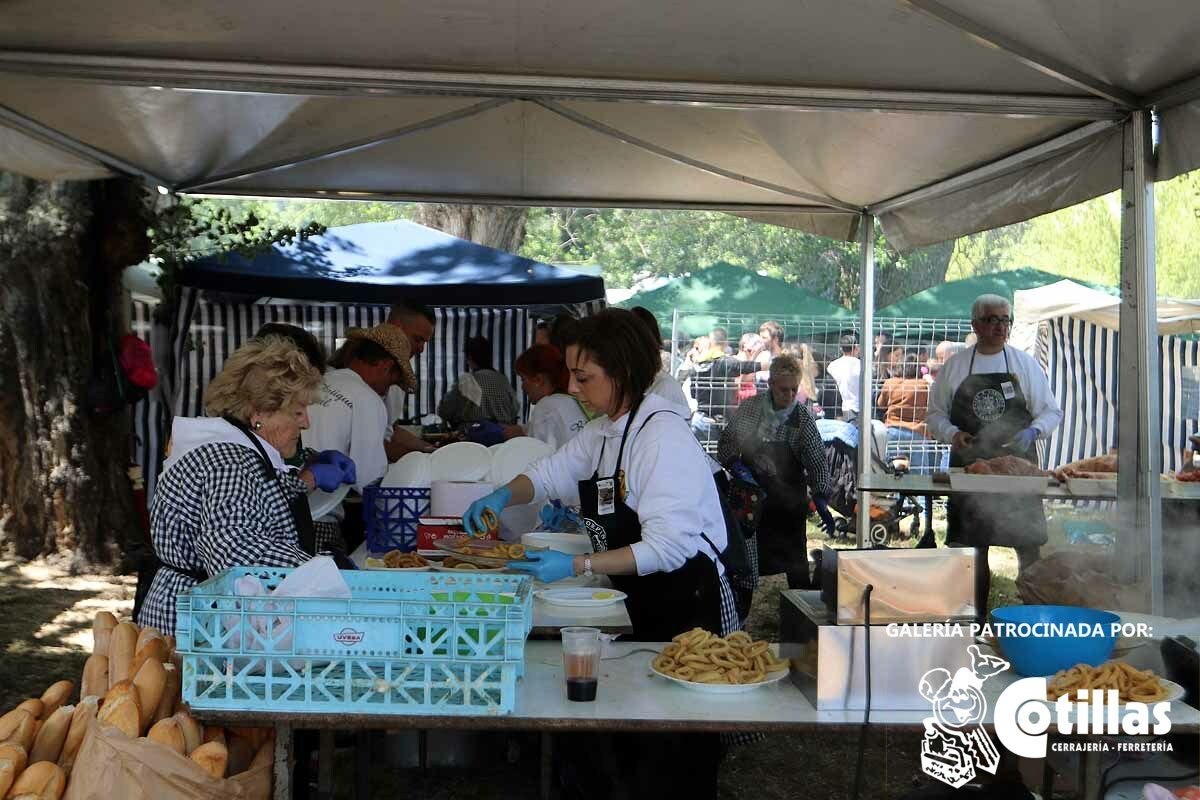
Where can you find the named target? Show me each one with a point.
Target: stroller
(888, 512)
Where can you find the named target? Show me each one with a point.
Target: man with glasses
(991, 400)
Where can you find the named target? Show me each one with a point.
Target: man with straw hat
(350, 416)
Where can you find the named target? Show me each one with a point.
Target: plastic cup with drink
(581, 662)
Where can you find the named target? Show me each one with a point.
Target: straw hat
(395, 341)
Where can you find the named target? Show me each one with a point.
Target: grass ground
(45, 635)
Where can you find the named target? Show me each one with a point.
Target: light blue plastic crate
(391, 514)
(404, 643)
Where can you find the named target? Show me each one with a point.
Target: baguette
(241, 753)
(170, 694)
(85, 712)
(153, 650)
(55, 696)
(10, 721)
(34, 706)
(40, 781)
(167, 733)
(213, 757)
(102, 628)
(120, 709)
(21, 730)
(49, 742)
(95, 676)
(215, 733)
(12, 764)
(150, 680)
(193, 734)
(146, 634)
(121, 649)
(265, 756)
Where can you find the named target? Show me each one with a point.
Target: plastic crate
(391, 514)
(403, 643)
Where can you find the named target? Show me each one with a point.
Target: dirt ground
(45, 635)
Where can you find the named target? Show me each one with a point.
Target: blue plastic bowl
(1042, 655)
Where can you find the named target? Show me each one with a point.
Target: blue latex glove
(329, 477)
(827, 522)
(485, 433)
(341, 461)
(1023, 441)
(549, 566)
(552, 516)
(494, 502)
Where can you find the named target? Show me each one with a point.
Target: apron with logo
(661, 604)
(991, 407)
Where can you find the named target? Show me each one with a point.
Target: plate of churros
(1132, 685)
(452, 564)
(396, 561)
(711, 664)
(483, 552)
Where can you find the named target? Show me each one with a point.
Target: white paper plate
(511, 458)
(413, 469)
(460, 461)
(724, 688)
(321, 503)
(572, 543)
(580, 597)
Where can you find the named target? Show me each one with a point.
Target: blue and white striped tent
(1079, 345)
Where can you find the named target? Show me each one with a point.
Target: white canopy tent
(939, 118)
(1067, 298)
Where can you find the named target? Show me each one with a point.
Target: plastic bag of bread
(1073, 578)
(111, 765)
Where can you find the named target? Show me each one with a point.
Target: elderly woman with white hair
(991, 400)
(226, 497)
(775, 453)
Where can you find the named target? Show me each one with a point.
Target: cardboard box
(430, 529)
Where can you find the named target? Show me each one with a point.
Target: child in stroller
(888, 512)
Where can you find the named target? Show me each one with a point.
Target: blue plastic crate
(403, 643)
(391, 514)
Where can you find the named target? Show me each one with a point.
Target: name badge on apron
(606, 496)
(1007, 388)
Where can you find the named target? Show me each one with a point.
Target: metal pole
(674, 339)
(1139, 537)
(866, 304)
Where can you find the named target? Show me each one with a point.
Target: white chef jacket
(555, 419)
(846, 373)
(351, 418)
(669, 484)
(1038, 398)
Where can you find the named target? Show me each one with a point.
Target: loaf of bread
(266, 752)
(146, 634)
(10, 721)
(48, 744)
(40, 781)
(102, 628)
(213, 757)
(193, 734)
(12, 764)
(121, 649)
(241, 753)
(153, 650)
(20, 729)
(34, 706)
(120, 708)
(55, 696)
(214, 733)
(95, 677)
(150, 680)
(85, 712)
(170, 694)
(167, 733)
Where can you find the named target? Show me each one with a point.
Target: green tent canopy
(723, 291)
(952, 300)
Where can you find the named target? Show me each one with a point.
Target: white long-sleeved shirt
(1041, 402)
(555, 419)
(351, 418)
(669, 484)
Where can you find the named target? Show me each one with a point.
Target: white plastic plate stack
(413, 470)
(460, 461)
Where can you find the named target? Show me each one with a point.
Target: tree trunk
(501, 227)
(63, 467)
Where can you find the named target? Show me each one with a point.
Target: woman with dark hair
(556, 416)
(482, 394)
(650, 506)
(304, 340)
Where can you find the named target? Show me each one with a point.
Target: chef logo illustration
(989, 405)
(955, 745)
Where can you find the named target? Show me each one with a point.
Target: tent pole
(674, 339)
(866, 304)
(1139, 536)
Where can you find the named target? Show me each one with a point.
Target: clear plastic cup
(581, 662)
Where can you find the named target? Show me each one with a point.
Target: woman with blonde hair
(226, 498)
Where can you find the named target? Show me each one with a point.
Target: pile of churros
(699, 656)
(453, 563)
(394, 559)
(497, 550)
(491, 522)
(1134, 685)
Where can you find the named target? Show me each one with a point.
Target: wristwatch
(587, 566)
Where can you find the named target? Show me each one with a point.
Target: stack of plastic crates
(403, 643)
(391, 515)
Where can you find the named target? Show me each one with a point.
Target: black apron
(782, 532)
(991, 407)
(301, 517)
(662, 604)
